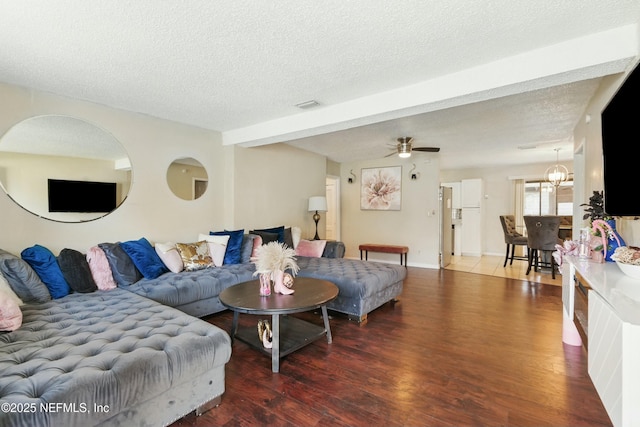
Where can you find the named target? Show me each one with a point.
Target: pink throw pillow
(311, 248)
(10, 314)
(100, 269)
(257, 242)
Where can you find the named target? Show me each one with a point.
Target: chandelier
(556, 174)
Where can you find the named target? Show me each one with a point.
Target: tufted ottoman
(364, 285)
(108, 358)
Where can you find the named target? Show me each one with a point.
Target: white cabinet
(471, 190)
(471, 238)
(471, 230)
(613, 366)
(613, 334)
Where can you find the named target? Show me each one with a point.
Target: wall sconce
(352, 178)
(414, 175)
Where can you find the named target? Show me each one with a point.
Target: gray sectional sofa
(141, 350)
(363, 285)
(109, 358)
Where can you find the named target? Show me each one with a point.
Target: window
(541, 198)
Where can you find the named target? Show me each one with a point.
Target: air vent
(308, 104)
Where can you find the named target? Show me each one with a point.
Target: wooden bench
(388, 249)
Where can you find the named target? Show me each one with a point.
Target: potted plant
(595, 208)
(272, 260)
(603, 226)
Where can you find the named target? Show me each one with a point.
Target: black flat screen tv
(620, 130)
(81, 196)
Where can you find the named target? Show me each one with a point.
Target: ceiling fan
(404, 147)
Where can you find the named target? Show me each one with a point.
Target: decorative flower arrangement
(275, 256)
(600, 228)
(271, 262)
(568, 247)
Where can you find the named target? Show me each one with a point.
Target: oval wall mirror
(187, 178)
(64, 169)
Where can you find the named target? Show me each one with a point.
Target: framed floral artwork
(381, 189)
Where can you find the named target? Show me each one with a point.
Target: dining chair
(512, 238)
(542, 238)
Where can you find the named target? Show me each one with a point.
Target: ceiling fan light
(404, 148)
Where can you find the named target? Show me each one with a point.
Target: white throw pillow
(296, 233)
(217, 247)
(170, 256)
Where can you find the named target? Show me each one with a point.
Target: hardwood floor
(494, 266)
(458, 349)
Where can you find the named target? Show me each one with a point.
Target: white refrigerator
(471, 239)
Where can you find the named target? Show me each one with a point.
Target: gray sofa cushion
(247, 248)
(354, 278)
(123, 269)
(24, 281)
(334, 249)
(109, 348)
(177, 289)
(76, 272)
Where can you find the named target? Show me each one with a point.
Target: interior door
(332, 221)
(446, 229)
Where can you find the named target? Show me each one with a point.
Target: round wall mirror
(187, 178)
(64, 169)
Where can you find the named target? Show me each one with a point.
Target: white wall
(271, 189)
(416, 225)
(273, 184)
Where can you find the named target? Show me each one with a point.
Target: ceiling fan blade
(393, 153)
(427, 149)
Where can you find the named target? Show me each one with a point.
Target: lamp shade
(318, 203)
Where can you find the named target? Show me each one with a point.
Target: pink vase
(278, 283)
(265, 284)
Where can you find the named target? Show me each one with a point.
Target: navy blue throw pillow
(233, 255)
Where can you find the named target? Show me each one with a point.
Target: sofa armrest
(333, 249)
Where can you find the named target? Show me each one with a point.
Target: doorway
(332, 216)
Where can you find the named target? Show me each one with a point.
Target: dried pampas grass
(275, 256)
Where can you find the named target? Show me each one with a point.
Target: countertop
(620, 291)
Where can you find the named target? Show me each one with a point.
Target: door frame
(334, 202)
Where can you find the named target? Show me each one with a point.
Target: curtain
(519, 212)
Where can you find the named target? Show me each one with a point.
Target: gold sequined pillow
(195, 256)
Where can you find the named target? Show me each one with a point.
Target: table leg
(275, 343)
(234, 325)
(325, 317)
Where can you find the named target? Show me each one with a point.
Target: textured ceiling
(459, 75)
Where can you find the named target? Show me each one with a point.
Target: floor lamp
(317, 203)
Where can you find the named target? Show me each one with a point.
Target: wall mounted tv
(620, 126)
(81, 196)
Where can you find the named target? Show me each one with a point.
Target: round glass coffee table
(289, 333)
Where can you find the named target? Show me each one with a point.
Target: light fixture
(414, 175)
(317, 203)
(404, 147)
(556, 174)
